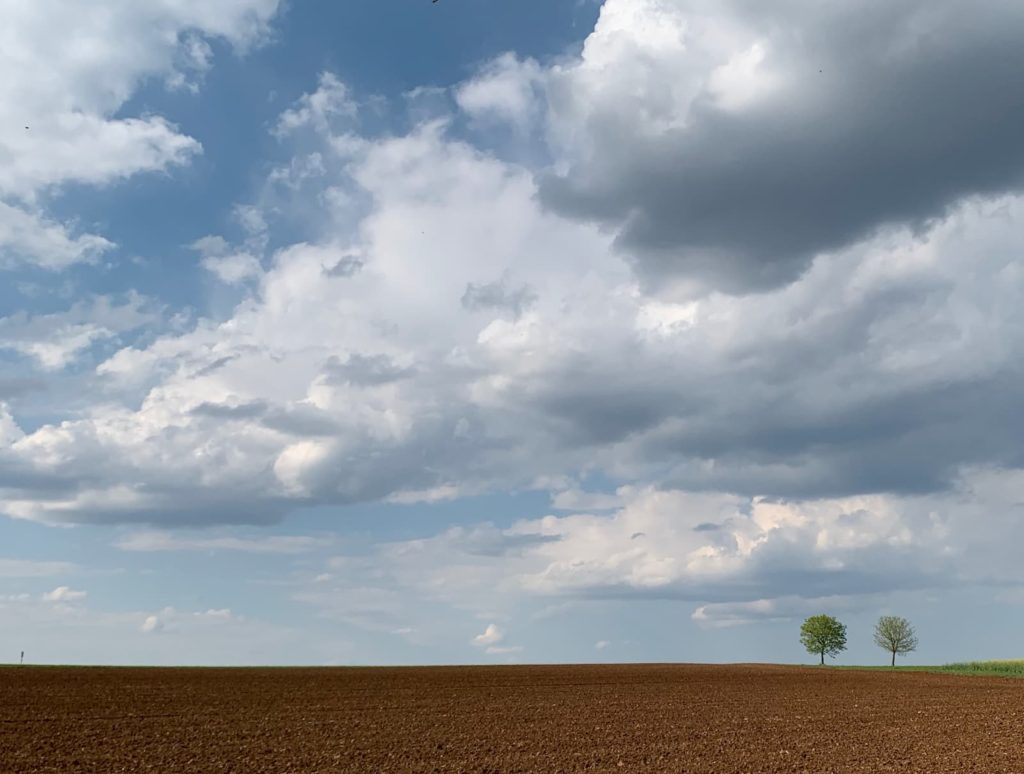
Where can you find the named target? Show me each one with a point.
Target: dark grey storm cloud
(300, 420)
(498, 296)
(250, 410)
(890, 111)
(365, 370)
(346, 266)
(487, 540)
(819, 392)
(908, 443)
(707, 527)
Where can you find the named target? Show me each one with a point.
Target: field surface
(508, 719)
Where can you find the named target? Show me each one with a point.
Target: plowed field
(507, 719)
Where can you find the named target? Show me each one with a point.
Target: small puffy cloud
(318, 109)
(193, 59)
(56, 340)
(491, 636)
(233, 269)
(218, 614)
(174, 621)
(601, 644)
(64, 594)
(254, 223)
(507, 89)
(28, 237)
(229, 266)
(58, 351)
(212, 244)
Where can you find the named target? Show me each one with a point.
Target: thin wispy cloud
(275, 544)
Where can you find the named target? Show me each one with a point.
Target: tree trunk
(894, 658)
(823, 658)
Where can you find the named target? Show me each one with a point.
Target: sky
(487, 332)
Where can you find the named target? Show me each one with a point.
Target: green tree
(896, 635)
(823, 635)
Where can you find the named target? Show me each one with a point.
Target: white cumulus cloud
(492, 635)
(62, 105)
(64, 594)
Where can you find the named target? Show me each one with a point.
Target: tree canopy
(896, 635)
(823, 635)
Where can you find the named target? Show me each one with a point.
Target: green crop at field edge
(986, 668)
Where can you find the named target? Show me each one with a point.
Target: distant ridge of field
(1011, 668)
(1007, 668)
(1004, 668)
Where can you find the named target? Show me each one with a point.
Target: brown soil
(507, 719)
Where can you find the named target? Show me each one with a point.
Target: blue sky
(479, 332)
